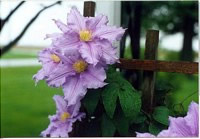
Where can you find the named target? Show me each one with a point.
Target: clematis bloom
(61, 123)
(75, 75)
(50, 60)
(91, 36)
(187, 126)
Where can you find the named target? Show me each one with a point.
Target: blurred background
(25, 107)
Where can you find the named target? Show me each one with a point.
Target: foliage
(118, 102)
(118, 107)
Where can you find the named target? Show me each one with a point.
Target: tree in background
(169, 16)
(173, 17)
(3, 22)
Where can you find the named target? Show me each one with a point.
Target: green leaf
(107, 126)
(163, 87)
(140, 118)
(109, 96)
(161, 115)
(121, 123)
(130, 101)
(153, 129)
(91, 99)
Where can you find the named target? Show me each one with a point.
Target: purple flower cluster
(181, 126)
(76, 61)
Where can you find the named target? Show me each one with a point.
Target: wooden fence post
(151, 45)
(89, 8)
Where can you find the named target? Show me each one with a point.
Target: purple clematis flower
(50, 60)
(75, 75)
(91, 36)
(61, 123)
(187, 126)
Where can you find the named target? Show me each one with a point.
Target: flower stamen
(80, 66)
(55, 58)
(85, 35)
(64, 116)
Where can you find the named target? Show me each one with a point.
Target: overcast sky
(44, 24)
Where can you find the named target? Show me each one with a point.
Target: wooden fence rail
(159, 66)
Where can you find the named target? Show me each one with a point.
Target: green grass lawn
(20, 53)
(24, 106)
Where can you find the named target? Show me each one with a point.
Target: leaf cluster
(116, 109)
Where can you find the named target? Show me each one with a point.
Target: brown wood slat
(159, 66)
(89, 8)
(149, 77)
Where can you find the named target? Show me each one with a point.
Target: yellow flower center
(80, 66)
(64, 116)
(85, 35)
(55, 58)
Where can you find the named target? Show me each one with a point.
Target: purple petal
(166, 133)
(110, 33)
(60, 103)
(65, 41)
(74, 109)
(75, 20)
(95, 22)
(40, 75)
(109, 53)
(94, 77)
(80, 116)
(178, 127)
(58, 76)
(144, 135)
(192, 118)
(45, 56)
(72, 56)
(53, 36)
(60, 130)
(61, 25)
(73, 90)
(90, 52)
(49, 67)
